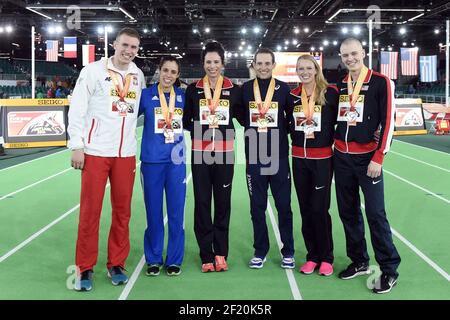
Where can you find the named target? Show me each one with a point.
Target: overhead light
(249, 47)
(145, 30)
(244, 30)
(436, 31)
(286, 42)
(296, 31)
(326, 43)
(404, 44)
(402, 30)
(285, 47)
(207, 30)
(243, 43)
(364, 43)
(294, 42)
(335, 43)
(356, 30)
(376, 43)
(306, 30)
(240, 48)
(312, 48)
(321, 48)
(39, 13)
(256, 30)
(278, 48)
(236, 55)
(344, 30)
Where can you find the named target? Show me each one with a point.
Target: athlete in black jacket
(363, 136)
(312, 124)
(266, 147)
(211, 105)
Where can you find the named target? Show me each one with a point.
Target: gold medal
(122, 89)
(213, 121)
(169, 135)
(353, 93)
(213, 102)
(262, 124)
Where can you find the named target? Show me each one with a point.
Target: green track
(38, 269)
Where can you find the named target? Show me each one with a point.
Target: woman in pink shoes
(314, 113)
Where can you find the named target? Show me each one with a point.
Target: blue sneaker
(84, 282)
(257, 262)
(288, 262)
(117, 276)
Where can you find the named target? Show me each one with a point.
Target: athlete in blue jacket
(163, 168)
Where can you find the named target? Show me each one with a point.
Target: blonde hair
(321, 82)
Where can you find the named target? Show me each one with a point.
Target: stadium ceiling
(168, 26)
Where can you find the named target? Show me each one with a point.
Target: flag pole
(447, 54)
(33, 71)
(106, 42)
(370, 43)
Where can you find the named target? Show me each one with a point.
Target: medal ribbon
(353, 92)
(263, 108)
(212, 102)
(167, 111)
(121, 87)
(308, 106)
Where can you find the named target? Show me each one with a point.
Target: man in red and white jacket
(102, 128)
(365, 124)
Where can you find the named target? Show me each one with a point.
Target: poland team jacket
(95, 123)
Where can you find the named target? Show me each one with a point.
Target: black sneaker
(173, 270)
(384, 284)
(354, 270)
(2, 150)
(153, 270)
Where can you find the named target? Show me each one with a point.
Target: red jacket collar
(227, 84)
(297, 92)
(366, 80)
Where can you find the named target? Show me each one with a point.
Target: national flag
(428, 68)
(388, 64)
(70, 47)
(52, 50)
(409, 61)
(88, 54)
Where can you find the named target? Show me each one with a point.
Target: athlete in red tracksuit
(102, 128)
(365, 125)
(312, 128)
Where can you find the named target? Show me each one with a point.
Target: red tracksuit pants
(96, 171)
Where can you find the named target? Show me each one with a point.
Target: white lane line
(34, 184)
(418, 146)
(418, 252)
(51, 224)
(417, 186)
(137, 271)
(126, 291)
(26, 162)
(289, 272)
(37, 234)
(420, 161)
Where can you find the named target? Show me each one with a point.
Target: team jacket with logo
(374, 132)
(321, 146)
(154, 149)
(196, 110)
(280, 101)
(95, 123)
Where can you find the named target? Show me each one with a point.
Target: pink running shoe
(308, 267)
(326, 269)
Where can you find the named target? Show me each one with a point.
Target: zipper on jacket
(346, 137)
(213, 140)
(121, 137)
(304, 143)
(90, 131)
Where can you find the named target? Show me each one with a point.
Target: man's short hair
(129, 32)
(351, 40)
(264, 50)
